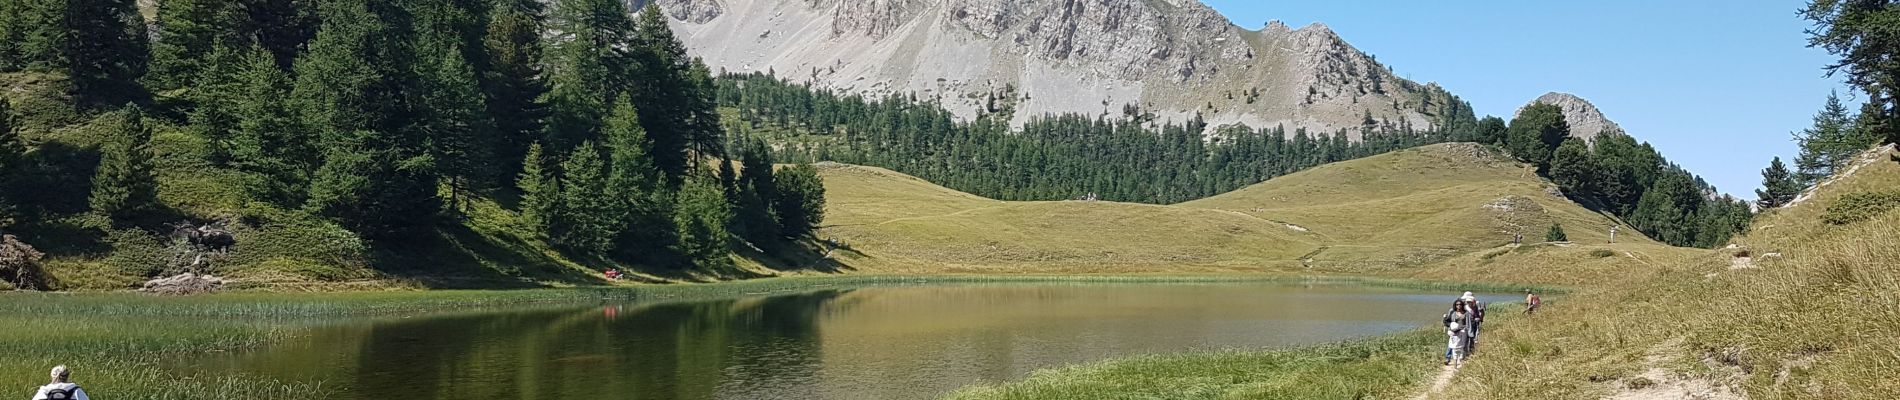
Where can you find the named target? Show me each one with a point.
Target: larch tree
(514, 83)
(124, 186)
(1573, 168)
(585, 68)
(700, 218)
(1831, 142)
(1778, 186)
(1535, 133)
(354, 88)
(189, 31)
(460, 137)
(586, 220)
(801, 200)
(1862, 34)
(540, 192)
(666, 93)
(637, 187)
(277, 154)
(106, 51)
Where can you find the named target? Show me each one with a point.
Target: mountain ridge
(1174, 59)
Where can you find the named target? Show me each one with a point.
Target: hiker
(1455, 337)
(1531, 301)
(1474, 319)
(62, 387)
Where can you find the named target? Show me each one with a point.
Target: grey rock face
(1174, 58)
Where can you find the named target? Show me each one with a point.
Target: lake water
(905, 342)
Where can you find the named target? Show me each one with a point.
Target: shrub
(1856, 207)
(136, 252)
(1556, 233)
(1602, 253)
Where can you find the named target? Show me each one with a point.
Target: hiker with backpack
(62, 387)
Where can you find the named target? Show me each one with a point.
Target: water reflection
(875, 343)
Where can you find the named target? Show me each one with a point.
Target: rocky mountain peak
(1586, 121)
(1176, 59)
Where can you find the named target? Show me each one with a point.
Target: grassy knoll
(1818, 320)
(1417, 206)
(896, 223)
(1409, 208)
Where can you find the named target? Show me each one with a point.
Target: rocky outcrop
(1174, 58)
(1586, 121)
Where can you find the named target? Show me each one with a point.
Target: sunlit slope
(893, 222)
(1799, 309)
(1418, 205)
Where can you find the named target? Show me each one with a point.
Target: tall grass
(1385, 367)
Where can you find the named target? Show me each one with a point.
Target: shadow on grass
(457, 257)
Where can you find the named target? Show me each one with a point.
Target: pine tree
(1491, 130)
(41, 29)
(1862, 34)
(1829, 144)
(586, 220)
(124, 186)
(758, 192)
(1538, 130)
(11, 149)
(105, 50)
(637, 187)
(700, 217)
(1556, 233)
(1778, 186)
(461, 139)
(353, 88)
(540, 192)
(188, 31)
(666, 89)
(277, 154)
(514, 82)
(282, 27)
(11, 152)
(585, 68)
(1572, 168)
(216, 90)
(801, 200)
(12, 34)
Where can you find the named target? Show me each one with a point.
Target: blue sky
(1718, 87)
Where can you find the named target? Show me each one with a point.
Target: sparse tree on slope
(1778, 186)
(124, 185)
(1830, 143)
(1556, 233)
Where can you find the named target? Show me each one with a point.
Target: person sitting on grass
(62, 387)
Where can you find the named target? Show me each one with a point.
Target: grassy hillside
(1408, 208)
(1799, 308)
(897, 223)
(1417, 206)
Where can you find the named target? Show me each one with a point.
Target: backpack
(61, 394)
